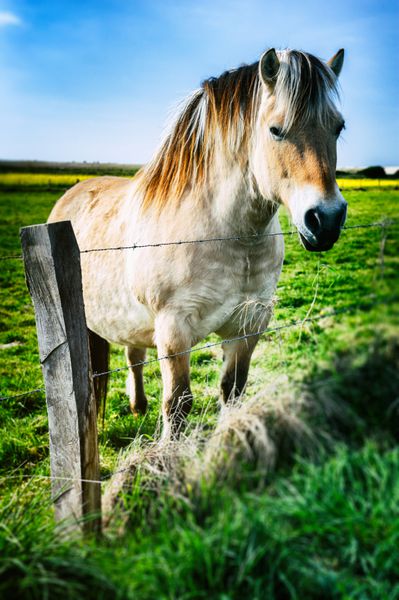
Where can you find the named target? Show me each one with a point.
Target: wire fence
(268, 330)
(355, 308)
(11, 256)
(104, 480)
(382, 224)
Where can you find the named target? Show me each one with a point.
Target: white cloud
(8, 18)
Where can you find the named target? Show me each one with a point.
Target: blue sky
(96, 80)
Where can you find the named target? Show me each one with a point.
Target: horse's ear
(269, 65)
(335, 63)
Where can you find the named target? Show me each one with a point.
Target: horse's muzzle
(322, 227)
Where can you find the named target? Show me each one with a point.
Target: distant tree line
(66, 168)
(374, 172)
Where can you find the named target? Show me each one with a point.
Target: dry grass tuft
(262, 431)
(258, 430)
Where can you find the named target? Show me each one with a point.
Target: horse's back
(87, 194)
(90, 203)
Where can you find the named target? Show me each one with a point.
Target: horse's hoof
(138, 410)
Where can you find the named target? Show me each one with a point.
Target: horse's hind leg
(99, 355)
(236, 359)
(173, 338)
(134, 383)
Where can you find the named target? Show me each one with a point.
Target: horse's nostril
(312, 221)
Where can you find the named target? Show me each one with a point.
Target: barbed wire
(35, 391)
(382, 224)
(52, 478)
(103, 480)
(267, 330)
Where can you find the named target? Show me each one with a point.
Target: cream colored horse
(244, 143)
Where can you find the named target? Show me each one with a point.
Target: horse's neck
(228, 204)
(237, 205)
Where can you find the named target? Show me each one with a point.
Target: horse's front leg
(236, 359)
(173, 337)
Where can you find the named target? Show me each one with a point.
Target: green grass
(319, 526)
(329, 530)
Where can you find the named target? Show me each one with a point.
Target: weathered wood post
(52, 266)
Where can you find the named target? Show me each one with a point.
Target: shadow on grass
(363, 382)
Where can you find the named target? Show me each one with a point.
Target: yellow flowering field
(68, 179)
(348, 184)
(39, 179)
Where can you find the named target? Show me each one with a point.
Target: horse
(254, 138)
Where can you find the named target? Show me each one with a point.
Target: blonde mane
(225, 108)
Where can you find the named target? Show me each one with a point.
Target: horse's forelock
(305, 90)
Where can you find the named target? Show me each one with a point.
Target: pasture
(319, 520)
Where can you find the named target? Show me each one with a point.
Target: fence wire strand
(383, 224)
(101, 481)
(35, 391)
(267, 330)
(11, 257)
(230, 238)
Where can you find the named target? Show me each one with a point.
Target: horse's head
(294, 158)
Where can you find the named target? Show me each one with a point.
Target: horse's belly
(112, 308)
(130, 325)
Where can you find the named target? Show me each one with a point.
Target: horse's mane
(224, 110)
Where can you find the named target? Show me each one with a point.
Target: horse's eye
(340, 128)
(276, 132)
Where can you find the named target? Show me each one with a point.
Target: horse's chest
(253, 272)
(205, 290)
(244, 282)
(248, 271)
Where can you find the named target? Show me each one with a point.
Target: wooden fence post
(52, 266)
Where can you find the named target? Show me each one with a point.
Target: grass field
(320, 520)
